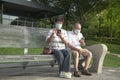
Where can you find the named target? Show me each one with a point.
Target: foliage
(99, 18)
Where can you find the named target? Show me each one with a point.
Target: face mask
(58, 26)
(77, 31)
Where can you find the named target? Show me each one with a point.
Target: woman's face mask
(58, 26)
(76, 31)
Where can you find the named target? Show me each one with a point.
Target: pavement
(51, 73)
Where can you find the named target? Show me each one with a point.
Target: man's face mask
(77, 31)
(58, 26)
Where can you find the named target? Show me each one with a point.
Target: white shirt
(74, 39)
(56, 42)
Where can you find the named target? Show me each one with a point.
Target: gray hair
(76, 24)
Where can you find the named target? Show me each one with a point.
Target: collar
(74, 33)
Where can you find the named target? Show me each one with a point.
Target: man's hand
(54, 31)
(59, 34)
(82, 42)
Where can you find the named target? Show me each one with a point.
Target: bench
(31, 37)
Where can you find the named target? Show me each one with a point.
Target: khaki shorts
(84, 52)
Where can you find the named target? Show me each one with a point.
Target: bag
(47, 51)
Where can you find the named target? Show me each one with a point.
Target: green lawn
(11, 51)
(114, 48)
(19, 51)
(111, 61)
(35, 50)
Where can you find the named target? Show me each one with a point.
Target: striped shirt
(56, 42)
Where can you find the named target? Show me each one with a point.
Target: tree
(86, 11)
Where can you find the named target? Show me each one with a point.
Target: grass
(35, 50)
(19, 51)
(111, 61)
(114, 48)
(11, 51)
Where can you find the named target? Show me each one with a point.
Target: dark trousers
(63, 58)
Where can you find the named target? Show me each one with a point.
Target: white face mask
(58, 26)
(76, 31)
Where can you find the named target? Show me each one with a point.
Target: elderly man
(76, 39)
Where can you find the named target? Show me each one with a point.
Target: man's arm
(50, 38)
(73, 48)
(68, 44)
(54, 31)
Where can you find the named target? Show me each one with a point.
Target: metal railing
(18, 22)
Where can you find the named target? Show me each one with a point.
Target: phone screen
(58, 31)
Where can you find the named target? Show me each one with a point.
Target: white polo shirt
(56, 42)
(74, 39)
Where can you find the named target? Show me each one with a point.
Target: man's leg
(76, 62)
(66, 62)
(76, 59)
(60, 58)
(88, 56)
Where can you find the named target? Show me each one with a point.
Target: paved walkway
(49, 73)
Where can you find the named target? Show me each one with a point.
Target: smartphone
(58, 31)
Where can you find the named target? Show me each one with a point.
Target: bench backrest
(22, 36)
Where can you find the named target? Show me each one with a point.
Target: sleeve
(49, 34)
(69, 37)
(80, 36)
(65, 35)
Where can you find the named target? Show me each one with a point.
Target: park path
(51, 73)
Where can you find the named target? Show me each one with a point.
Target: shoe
(77, 74)
(70, 73)
(61, 74)
(65, 75)
(86, 72)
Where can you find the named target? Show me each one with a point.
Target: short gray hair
(77, 24)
